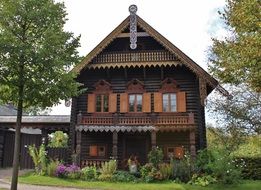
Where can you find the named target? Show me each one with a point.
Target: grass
(52, 181)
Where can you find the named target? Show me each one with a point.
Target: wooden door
(138, 146)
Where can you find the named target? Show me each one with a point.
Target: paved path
(5, 183)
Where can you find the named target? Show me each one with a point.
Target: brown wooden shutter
(91, 103)
(179, 152)
(157, 102)
(124, 103)
(181, 101)
(93, 150)
(146, 102)
(113, 103)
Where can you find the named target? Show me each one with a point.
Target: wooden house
(137, 99)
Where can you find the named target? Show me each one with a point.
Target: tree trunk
(16, 159)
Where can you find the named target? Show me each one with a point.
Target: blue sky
(189, 24)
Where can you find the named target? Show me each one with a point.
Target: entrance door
(136, 146)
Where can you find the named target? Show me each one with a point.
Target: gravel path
(5, 183)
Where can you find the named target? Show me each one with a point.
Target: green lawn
(52, 181)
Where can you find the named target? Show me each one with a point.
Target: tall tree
(236, 61)
(241, 111)
(36, 55)
(237, 58)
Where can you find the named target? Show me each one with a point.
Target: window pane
(173, 102)
(98, 103)
(105, 103)
(101, 151)
(165, 102)
(139, 102)
(131, 103)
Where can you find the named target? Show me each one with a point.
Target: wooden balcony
(123, 120)
(117, 57)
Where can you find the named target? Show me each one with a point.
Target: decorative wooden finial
(133, 26)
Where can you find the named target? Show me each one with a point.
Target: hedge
(252, 167)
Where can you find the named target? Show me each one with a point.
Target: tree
(36, 56)
(242, 110)
(58, 139)
(236, 59)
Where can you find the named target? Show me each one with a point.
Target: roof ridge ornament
(133, 26)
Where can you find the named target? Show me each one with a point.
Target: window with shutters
(97, 151)
(174, 152)
(102, 103)
(169, 102)
(135, 103)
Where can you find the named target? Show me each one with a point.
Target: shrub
(150, 173)
(166, 170)
(107, 170)
(203, 180)
(251, 169)
(219, 164)
(61, 171)
(123, 176)
(73, 171)
(89, 173)
(51, 167)
(146, 169)
(39, 158)
(224, 169)
(203, 160)
(183, 169)
(155, 156)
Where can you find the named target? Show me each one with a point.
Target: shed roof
(61, 119)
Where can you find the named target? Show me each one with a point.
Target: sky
(188, 24)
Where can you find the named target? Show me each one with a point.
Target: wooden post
(192, 143)
(153, 139)
(78, 147)
(44, 137)
(79, 117)
(115, 144)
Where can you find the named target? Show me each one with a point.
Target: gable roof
(188, 62)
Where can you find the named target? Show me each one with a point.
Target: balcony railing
(161, 119)
(134, 57)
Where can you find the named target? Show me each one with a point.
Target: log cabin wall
(95, 139)
(186, 80)
(173, 139)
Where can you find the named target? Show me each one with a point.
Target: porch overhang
(125, 128)
(99, 128)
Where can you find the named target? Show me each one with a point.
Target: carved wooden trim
(153, 139)
(115, 144)
(192, 139)
(135, 86)
(102, 87)
(169, 85)
(202, 91)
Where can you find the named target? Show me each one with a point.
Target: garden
(211, 169)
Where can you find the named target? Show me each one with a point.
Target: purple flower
(61, 170)
(72, 168)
